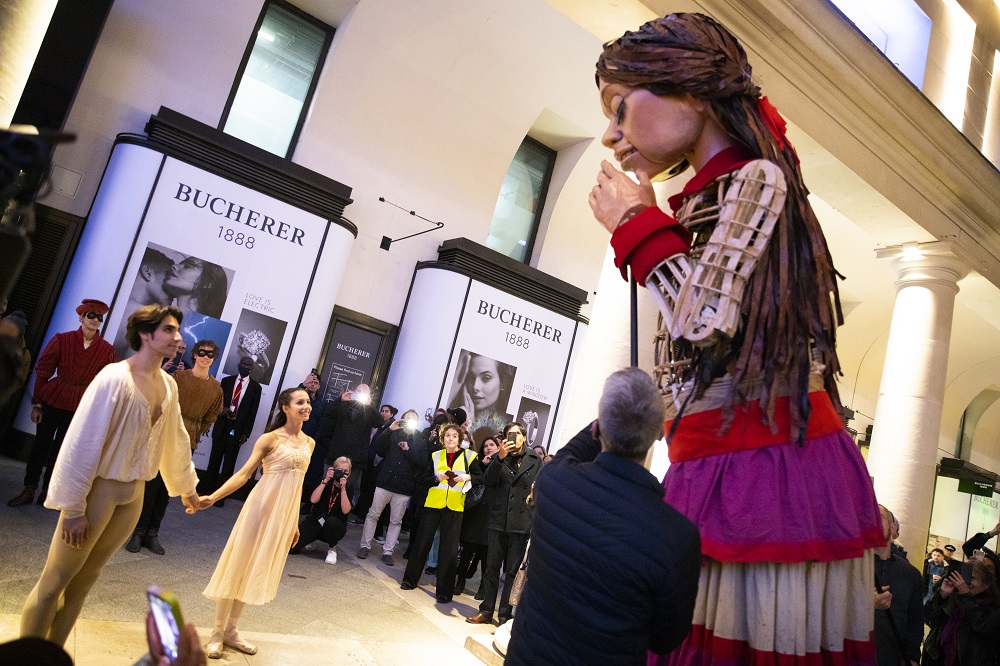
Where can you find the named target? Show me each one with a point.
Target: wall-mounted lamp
(386, 241)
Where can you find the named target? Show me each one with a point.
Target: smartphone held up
(167, 618)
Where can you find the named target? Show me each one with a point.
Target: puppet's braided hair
(791, 300)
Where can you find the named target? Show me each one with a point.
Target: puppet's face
(647, 132)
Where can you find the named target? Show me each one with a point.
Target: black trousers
(154, 505)
(508, 549)
(222, 460)
(473, 555)
(49, 436)
(332, 531)
(450, 523)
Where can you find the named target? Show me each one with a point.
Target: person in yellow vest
(454, 469)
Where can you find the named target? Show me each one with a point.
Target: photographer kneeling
(327, 520)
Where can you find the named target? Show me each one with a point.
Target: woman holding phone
(964, 618)
(250, 567)
(452, 467)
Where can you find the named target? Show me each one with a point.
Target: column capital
(928, 263)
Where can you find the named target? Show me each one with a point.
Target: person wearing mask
(240, 400)
(404, 458)
(200, 397)
(64, 370)
(452, 468)
(509, 478)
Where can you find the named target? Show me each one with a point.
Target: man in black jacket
(404, 457)
(510, 476)
(347, 431)
(899, 603)
(613, 568)
(240, 401)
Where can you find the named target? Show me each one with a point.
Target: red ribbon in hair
(776, 124)
(773, 120)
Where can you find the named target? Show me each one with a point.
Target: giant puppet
(747, 291)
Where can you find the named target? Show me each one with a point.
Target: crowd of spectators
(948, 615)
(464, 506)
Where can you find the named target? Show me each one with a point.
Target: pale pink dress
(250, 567)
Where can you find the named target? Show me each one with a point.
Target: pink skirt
(787, 532)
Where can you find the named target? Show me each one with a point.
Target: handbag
(520, 580)
(474, 492)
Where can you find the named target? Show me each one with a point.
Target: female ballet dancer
(250, 567)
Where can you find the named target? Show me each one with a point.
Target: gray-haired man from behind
(613, 569)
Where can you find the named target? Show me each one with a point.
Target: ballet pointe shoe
(232, 639)
(214, 648)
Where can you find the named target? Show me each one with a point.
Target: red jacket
(76, 368)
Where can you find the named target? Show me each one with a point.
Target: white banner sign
(508, 363)
(236, 262)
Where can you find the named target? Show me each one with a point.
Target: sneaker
(362, 553)
(387, 560)
(380, 539)
(331, 557)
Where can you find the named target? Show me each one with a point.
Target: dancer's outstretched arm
(263, 446)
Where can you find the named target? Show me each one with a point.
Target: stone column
(904, 448)
(22, 26)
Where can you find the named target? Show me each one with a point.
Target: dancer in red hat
(65, 368)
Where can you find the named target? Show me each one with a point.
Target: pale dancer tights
(113, 509)
(227, 619)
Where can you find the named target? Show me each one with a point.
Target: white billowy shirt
(112, 436)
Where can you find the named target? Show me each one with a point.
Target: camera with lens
(338, 474)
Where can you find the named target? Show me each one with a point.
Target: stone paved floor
(352, 612)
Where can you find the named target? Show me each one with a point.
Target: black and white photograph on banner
(259, 337)
(482, 386)
(198, 288)
(535, 417)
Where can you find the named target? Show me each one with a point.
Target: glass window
(898, 28)
(272, 92)
(522, 197)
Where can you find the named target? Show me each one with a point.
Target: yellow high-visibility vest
(442, 495)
